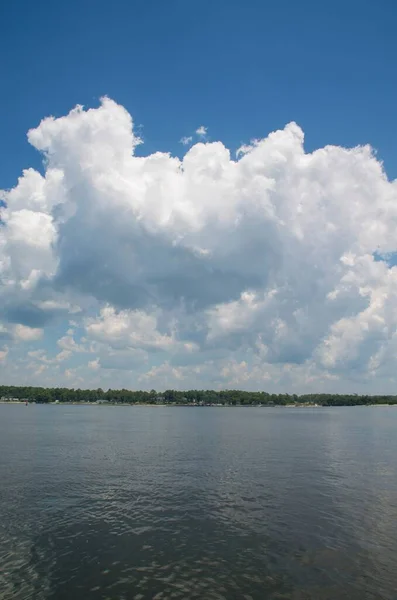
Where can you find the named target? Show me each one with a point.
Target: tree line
(188, 397)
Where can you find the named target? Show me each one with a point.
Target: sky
(199, 195)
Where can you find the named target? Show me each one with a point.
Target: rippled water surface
(155, 502)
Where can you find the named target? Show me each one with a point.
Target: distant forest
(190, 397)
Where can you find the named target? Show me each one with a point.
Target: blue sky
(243, 68)
(187, 268)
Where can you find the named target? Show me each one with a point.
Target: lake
(208, 503)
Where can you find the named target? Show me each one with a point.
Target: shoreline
(171, 405)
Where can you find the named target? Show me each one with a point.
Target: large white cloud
(247, 270)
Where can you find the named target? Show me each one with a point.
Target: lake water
(208, 503)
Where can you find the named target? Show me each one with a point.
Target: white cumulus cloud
(201, 131)
(27, 334)
(262, 270)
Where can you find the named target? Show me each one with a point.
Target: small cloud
(185, 140)
(67, 342)
(202, 131)
(27, 334)
(3, 353)
(63, 355)
(94, 364)
(41, 356)
(37, 354)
